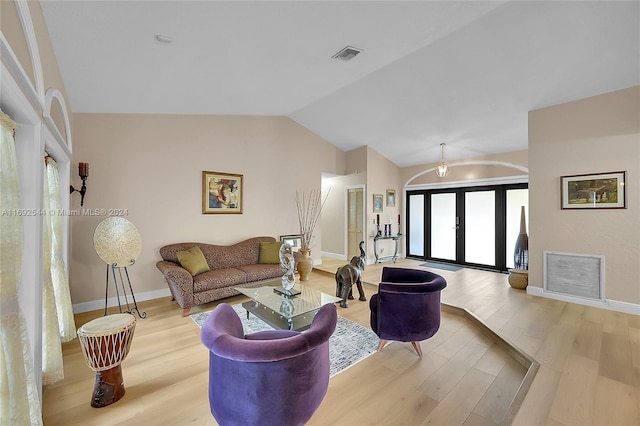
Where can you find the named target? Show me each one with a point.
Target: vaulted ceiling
(461, 72)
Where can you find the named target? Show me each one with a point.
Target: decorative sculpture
(348, 275)
(118, 243)
(288, 267)
(521, 251)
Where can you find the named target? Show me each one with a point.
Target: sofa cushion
(218, 278)
(193, 260)
(261, 272)
(269, 252)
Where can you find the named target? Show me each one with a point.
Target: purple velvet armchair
(275, 377)
(407, 306)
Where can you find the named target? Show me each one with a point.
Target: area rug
(349, 344)
(445, 266)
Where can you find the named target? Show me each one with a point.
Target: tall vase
(521, 251)
(305, 264)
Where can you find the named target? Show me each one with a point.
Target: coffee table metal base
(277, 320)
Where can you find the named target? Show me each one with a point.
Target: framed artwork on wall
(391, 197)
(594, 191)
(377, 203)
(221, 193)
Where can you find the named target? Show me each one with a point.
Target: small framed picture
(377, 203)
(295, 241)
(221, 193)
(391, 197)
(594, 191)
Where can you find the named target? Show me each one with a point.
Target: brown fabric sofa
(231, 266)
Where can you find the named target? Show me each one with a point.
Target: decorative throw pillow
(193, 260)
(270, 252)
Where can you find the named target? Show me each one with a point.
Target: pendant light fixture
(442, 170)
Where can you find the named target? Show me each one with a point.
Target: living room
(150, 165)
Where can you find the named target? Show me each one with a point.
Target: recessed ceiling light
(347, 54)
(163, 38)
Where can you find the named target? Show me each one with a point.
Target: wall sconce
(83, 172)
(442, 170)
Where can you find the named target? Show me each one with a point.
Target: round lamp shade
(117, 241)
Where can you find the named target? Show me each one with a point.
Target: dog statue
(348, 275)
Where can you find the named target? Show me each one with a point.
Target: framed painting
(391, 197)
(594, 191)
(221, 193)
(377, 203)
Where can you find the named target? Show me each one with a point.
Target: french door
(472, 226)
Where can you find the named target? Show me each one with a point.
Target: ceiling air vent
(347, 54)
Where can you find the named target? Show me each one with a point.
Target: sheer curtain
(52, 366)
(58, 268)
(18, 392)
(57, 313)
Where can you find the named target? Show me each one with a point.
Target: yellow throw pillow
(193, 260)
(270, 252)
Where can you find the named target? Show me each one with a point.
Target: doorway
(355, 221)
(472, 226)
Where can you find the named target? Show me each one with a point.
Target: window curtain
(58, 268)
(52, 365)
(18, 393)
(57, 313)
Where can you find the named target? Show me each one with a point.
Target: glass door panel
(416, 225)
(443, 226)
(480, 227)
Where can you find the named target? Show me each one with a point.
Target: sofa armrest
(180, 282)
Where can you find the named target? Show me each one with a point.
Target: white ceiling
(461, 72)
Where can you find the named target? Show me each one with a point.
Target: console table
(376, 247)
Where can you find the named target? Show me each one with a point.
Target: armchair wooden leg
(416, 346)
(381, 344)
(185, 311)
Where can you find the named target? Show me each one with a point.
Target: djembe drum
(105, 343)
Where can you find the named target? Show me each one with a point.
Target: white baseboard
(94, 305)
(613, 305)
(333, 255)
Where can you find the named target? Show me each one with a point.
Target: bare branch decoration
(309, 208)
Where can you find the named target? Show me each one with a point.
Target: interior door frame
(346, 216)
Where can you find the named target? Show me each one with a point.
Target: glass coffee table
(282, 311)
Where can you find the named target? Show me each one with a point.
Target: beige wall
(598, 134)
(377, 174)
(334, 213)
(356, 161)
(382, 174)
(152, 165)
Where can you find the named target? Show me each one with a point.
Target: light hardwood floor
(589, 365)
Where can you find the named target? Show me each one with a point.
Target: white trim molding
(95, 305)
(32, 44)
(333, 255)
(613, 305)
(469, 183)
(52, 94)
